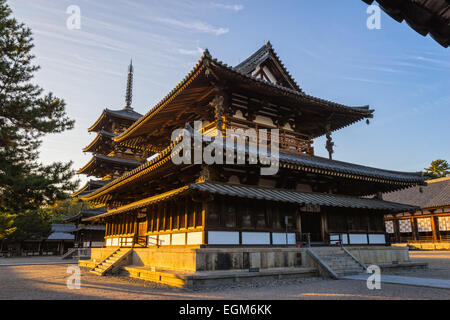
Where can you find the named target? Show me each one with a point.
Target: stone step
(96, 272)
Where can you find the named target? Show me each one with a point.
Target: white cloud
(234, 7)
(196, 26)
(196, 52)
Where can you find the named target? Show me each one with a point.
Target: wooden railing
(288, 140)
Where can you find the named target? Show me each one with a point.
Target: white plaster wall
(164, 239)
(218, 237)
(178, 239)
(194, 238)
(256, 238)
(377, 239)
(280, 238)
(358, 239)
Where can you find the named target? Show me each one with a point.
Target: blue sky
(325, 44)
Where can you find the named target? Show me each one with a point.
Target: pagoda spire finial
(129, 94)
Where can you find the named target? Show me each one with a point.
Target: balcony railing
(288, 140)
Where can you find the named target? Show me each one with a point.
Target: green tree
(438, 169)
(26, 115)
(66, 208)
(6, 225)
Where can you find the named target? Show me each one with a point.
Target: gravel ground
(49, 283)
(438, 265)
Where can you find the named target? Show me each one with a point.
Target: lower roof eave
(269, 194)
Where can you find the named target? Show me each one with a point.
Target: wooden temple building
(430, 223)
(156, 203)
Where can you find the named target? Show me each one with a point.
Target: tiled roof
(62, 227)
(122, 114)
(85, 214)
(61, 232)
(61, 236)
(322, 199)
(424, 16)
(90, 186)
(325, 166)
(207, 61)
(279, 195)
(114, 160)
(435, 194)
(350, 168)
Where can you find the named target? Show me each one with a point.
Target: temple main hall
(170, 215)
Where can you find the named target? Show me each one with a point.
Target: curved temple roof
(126, 114)
(209, 67)
(301, 162)
(101, 138)
(98, 158)
(249, 192)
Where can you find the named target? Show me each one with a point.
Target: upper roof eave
(99, 157)
(121, 114)
(206, 61)
(100, 135)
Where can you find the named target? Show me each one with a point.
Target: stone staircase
(112, 262)
(340, 261)
(69, 254)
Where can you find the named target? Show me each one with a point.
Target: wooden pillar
(205, 232)
(435, 228)
(299, 221)
(186, 208)
(324, 227)
(415, 233)
(397, 233)
(158, 216)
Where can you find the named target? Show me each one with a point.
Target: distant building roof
(436, 194)
(61, 232)
(62, 227)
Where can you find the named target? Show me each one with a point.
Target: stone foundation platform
(212, 278)
(188, 267)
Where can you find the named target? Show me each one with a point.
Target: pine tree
(26, 115)
(438, 169)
